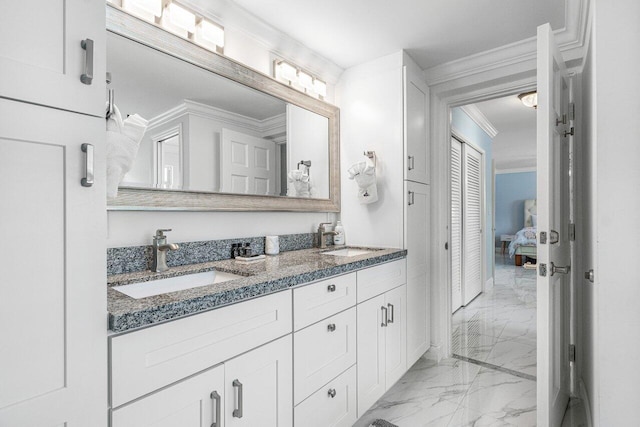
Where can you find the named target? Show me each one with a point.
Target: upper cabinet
(46, 59)
(416, 120)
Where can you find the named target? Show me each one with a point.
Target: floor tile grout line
(495, 367)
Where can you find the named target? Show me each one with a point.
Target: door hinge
(543, 237)
(542, 270)
(572, 111)
(561, 121)
(571, 132)
(572, 231)
(572, 352)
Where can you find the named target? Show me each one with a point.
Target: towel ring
(372, 156)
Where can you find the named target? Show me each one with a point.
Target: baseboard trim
(585, 401)
(434, 353)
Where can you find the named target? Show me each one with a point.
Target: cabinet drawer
(322, 410)
(144, 361)
(381, 278)
(323, 299)
(322, 351)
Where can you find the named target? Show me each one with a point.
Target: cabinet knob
(332, 393)
(331, 288)
(331, 327)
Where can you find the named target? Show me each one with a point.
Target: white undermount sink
(348, 252)
(173, 284)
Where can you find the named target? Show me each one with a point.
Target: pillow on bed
(534, 220)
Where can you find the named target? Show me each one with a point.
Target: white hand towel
(364, 173)
(300, 184)
(123, 141)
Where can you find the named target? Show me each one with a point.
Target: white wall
(616, 36)
(371, 103)
(515, 156)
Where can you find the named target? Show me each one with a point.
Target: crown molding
(480, 119)
(516, 170)
(520, 55)
(279, 44)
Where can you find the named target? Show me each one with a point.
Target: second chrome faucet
(160, 249)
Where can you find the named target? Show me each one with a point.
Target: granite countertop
(274, 274)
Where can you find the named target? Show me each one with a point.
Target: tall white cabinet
(52, 283)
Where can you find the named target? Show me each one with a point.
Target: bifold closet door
(472, 223)
(456, 224)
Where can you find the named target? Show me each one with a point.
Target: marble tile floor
(490, 381)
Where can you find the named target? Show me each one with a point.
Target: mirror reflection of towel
(301, 184)
(364, 173)
(123, 141)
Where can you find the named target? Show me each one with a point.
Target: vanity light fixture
(178, 20)
(529, 99)
(209, 35)
(298, 79)
(143, 9)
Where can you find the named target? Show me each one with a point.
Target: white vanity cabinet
(325, 353)
(381, 335)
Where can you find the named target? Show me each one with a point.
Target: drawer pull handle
(332, 393)
(331, 288)
(87, 76)
(237, 412)
(411, 164)
(385, 316)
(391, 309)
(331, 327)
(87, 181)
(215, 420)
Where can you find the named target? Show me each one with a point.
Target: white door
(41, 56)
(259, 386)
(416, 113)
(52, 281)
(553, 217)
(371, 352)
(472, 223)
(418, 289)
(194, 402)
(247, 164)
(456, 224)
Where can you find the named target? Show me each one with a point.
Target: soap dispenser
(338, 238)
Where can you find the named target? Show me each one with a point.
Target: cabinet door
(371, 352)
(396, 335)
(416, 116)
(472, 196)
(194, 402)
(44, 60)
(259, 388)
(417, 244)
(53, 290)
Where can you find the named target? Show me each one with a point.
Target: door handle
(87, 76)
(554, 237)
(385, 318)
(562, 270)
(237, 412)
(391, 309)
(87, 181)
(215, 419)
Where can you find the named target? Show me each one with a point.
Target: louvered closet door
(456, 225)
(472, 223)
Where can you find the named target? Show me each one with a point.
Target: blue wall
(512, 189)
(470, 131)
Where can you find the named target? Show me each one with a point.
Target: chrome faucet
(160, 248)
(322, 244)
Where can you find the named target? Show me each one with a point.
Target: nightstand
(504, 238)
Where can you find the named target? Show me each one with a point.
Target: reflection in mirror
(207, 133)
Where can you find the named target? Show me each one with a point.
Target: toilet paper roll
(272, 245)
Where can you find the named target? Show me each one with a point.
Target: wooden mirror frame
(143, 199)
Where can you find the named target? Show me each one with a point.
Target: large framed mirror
(221, 136)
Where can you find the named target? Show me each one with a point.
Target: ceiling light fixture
(298, 79)
(529, 99)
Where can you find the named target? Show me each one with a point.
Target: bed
(524, 245)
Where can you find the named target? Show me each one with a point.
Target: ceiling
(514, 147)
(350, 32)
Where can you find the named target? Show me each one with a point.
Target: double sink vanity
(294, 339)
